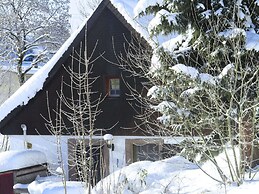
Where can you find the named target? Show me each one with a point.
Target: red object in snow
(6, 183)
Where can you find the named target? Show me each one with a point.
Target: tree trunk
(246, 143)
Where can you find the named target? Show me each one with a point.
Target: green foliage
(142, 176)
(221, 98)
(218, 38)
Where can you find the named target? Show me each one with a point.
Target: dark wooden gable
(109, 30)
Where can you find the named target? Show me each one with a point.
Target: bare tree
(75, 114)
(31, 30)
(213, 107)
(202, 83)
(4, 145)
(87, 7)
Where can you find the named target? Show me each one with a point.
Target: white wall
(48, 145)
(118, 156)
(9, 83)
(45, 143)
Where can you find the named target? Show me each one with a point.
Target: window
(143, 149)
(149, 151)
(114, 87)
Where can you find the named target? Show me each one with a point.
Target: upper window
(114, 87)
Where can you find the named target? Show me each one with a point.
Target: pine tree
(209, 72)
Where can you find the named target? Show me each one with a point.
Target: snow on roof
(29, 89)
(126, 8)
(12, 160)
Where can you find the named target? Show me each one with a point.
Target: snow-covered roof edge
(126, 9)
(29, 89)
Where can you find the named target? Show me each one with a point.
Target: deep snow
(169, 176)
(174, 175)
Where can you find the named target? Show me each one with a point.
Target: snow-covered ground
(54, 185)
(173, 175)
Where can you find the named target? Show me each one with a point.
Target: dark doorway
(88, 164)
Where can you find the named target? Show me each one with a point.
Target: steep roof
(122, 9)
(35, 83)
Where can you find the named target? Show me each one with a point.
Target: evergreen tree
(208, 74)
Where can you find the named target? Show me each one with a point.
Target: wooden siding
(103, 27)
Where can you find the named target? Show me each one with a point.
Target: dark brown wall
(114, 110)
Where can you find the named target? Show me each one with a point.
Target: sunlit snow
(232, 33)
(152, 92)
(187, 70)
(252, 41)
(157, 20)
(55, 185)
(143, 4)
(164, 105)
(225, 70)
(17, 159)
(189, 92)
(207, 78)
(29, 89)
(172, 175)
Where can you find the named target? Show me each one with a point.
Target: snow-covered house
(9, 81)
(111, 25)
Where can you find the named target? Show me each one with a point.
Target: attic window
(114, 87)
